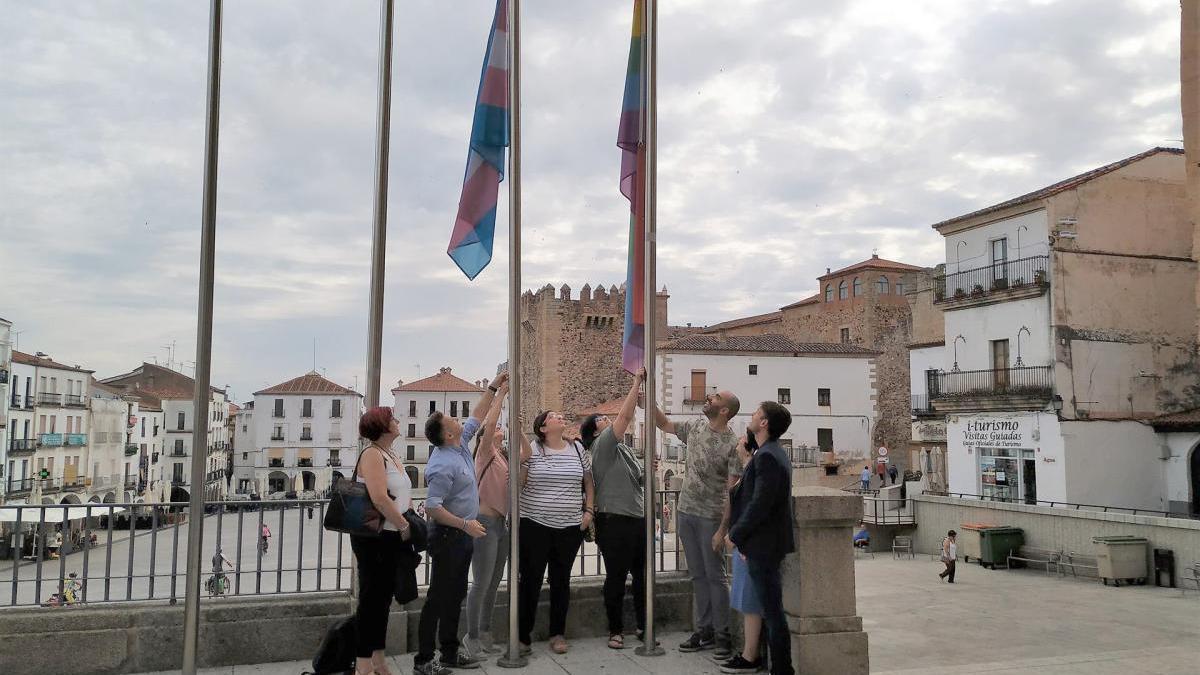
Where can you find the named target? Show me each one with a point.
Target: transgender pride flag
(471, 242)
(631, 140)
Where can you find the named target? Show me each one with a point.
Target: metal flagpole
(383, 125)
(514, 659)
(204, 313)
(649, 304)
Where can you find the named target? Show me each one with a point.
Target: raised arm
(663, 422)
(487, 444)
(485, 402)
(626, 415)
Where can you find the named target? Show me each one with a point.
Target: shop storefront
(1010, 457)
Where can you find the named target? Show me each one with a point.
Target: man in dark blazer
(761, 513)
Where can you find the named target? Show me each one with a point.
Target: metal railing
(887, 511)
(982, 281)
(19, 485)
(74, 401)
(44, 398)
(922, 405)
(805, 455)
(1023, 381)
(22, 445)
(137, 552)
(1067, 505)
(697, 394)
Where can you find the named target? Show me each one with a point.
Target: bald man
(712, 468)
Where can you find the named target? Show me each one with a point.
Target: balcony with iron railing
(76, 483)
(306, 437)
(333, 462)
(74, 401)
(697, 394)
(50, 440)
(922, 406)
(19, 486)
(1022, 388)
(275, 463)
(304, 462)
(76, 440)
(21, 446)
(277, 437)
(46, 398)
(19, 402)
(1009, 280)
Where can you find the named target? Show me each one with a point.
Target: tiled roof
(924, 345)
(772, 344)
(44, 362)
(872, 263)
(1188, 420)
(443, 381)
(1061, 186)
(308, 383)
(812, 299)
(745, 321)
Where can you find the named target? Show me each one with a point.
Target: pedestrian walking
(310, 511)
(865, 478)
(379, 557)
(881, 470)
(620, 513)
(949, 555)
(452, 503)
(712, 469)
(742, 596)
(491, 550)
(893, 472)
(557, 506)
(761, 513)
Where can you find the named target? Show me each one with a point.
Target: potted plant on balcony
(1018, 282)
(959, 294)
(1039, 277)
(977, 290)
(939, 295)
(1000, 284)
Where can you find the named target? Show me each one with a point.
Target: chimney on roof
(874, 255)
(485, 383)
(42, 355)
(444, 369)
(827, 270)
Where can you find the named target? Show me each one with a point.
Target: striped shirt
(553, 494)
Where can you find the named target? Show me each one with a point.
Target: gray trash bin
(1121, 558)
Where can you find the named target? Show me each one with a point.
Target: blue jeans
(710, 582)
(765, 576)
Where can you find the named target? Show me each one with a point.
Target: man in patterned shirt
(712, 468)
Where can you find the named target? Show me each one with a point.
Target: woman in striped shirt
(557, 500)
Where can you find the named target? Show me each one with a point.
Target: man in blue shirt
(453, 506)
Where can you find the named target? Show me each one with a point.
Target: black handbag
(351, 510)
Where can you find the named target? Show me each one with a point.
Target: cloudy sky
(795, 135)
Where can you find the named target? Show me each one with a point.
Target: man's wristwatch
(493, 389)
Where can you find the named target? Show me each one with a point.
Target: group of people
(735, 497)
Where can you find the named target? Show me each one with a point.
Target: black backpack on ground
(336, 654)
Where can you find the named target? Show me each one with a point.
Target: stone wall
(571, 348)
(1055, 529)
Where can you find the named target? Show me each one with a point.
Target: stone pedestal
(818, 585)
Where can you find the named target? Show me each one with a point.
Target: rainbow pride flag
(474, 228)
(631, 140)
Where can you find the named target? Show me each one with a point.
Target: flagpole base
(512, 662)
(647, 650)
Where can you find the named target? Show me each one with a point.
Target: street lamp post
(1024, 329)
(956, 339)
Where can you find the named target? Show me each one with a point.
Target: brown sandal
(616, 641)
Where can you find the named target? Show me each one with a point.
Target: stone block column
(818, 585)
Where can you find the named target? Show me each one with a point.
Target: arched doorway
(277, 481)
(110, 498)
(413, 477)
(70, 499)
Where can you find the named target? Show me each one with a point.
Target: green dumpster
(1121, 558)
(996, 543)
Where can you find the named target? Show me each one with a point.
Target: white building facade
(245, 453)
(1069, 325)
(6, 395)
(48, 442)
(830, 389)
(416, 401)
(302, 433)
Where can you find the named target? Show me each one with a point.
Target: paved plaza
(998, 622)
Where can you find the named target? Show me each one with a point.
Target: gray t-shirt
(618, 475)
(711, 461)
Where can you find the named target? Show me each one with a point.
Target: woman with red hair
(378, 558)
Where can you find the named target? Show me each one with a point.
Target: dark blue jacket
(760, 507)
